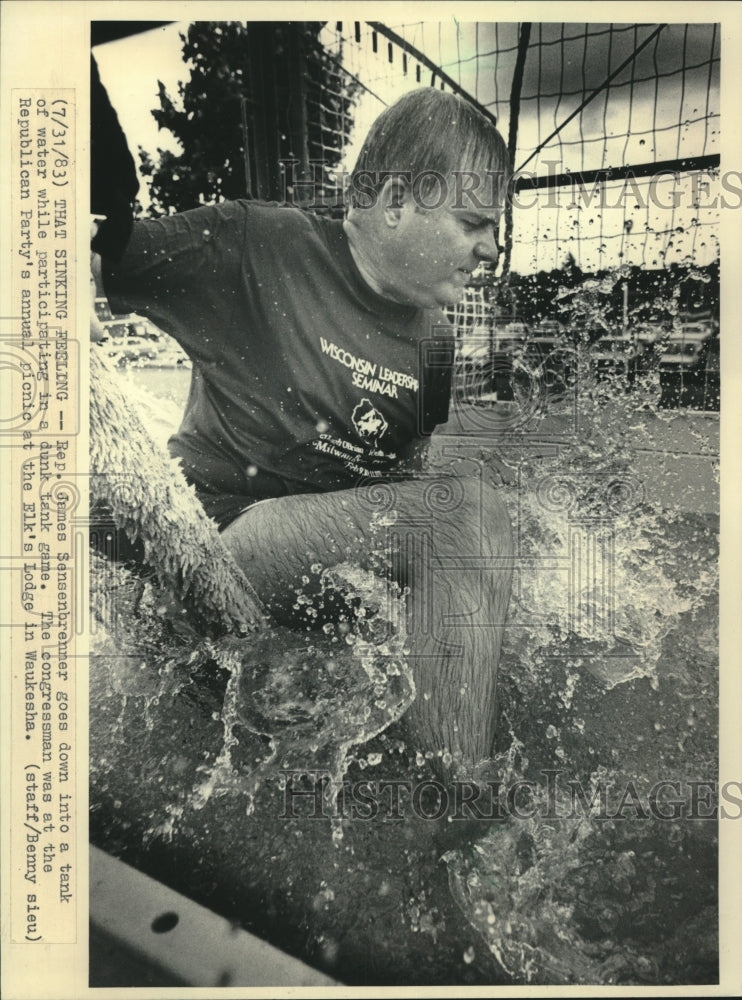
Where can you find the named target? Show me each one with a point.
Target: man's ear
(395, 193)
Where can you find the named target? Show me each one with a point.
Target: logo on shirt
(370, 376)
(368, 422)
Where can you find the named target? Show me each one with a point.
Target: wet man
(317, 376)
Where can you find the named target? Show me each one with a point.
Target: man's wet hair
(425, 136)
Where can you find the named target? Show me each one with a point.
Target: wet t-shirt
(304, 379)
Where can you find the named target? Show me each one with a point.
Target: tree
(277, 78)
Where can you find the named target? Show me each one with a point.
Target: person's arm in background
(167, 269)
(113, 176)
(113, 189)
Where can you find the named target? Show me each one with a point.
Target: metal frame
(185, 942)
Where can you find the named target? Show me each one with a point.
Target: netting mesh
(663, 104)
(595, 101)
(614, 134)
(613, 130)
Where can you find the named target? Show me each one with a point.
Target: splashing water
(514, 887)
(601, 582)
(314, 696)
(594, 583)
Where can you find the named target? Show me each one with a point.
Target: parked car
(689, 367)
(650, 334)
(686, 349)
(484, 362)
(140, 326)
(473, 345)
(712, 374)
(515, 330)
(133, 351)
(548, 335)
(549, 356)
(510, 339)
(616, 356)
(548, 328)
(114, 326)
(473, 366)
(102, 309)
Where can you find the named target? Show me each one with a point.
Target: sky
(651, 112)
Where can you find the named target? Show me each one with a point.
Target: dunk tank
(259, 816)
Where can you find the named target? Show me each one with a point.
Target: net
(614, 134)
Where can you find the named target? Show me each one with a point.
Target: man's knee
(478, 521)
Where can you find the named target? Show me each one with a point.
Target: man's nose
(487, 249)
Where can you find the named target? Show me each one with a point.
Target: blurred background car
(616, 356)
(686, 348)
(689, 366)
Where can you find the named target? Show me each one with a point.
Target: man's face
(433, 251)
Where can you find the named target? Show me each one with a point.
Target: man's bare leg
(450, 541)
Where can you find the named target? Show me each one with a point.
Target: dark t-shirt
(304, 379)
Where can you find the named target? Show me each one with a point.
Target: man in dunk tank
(321, 363)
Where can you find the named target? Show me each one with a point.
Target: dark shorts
(226, 507)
